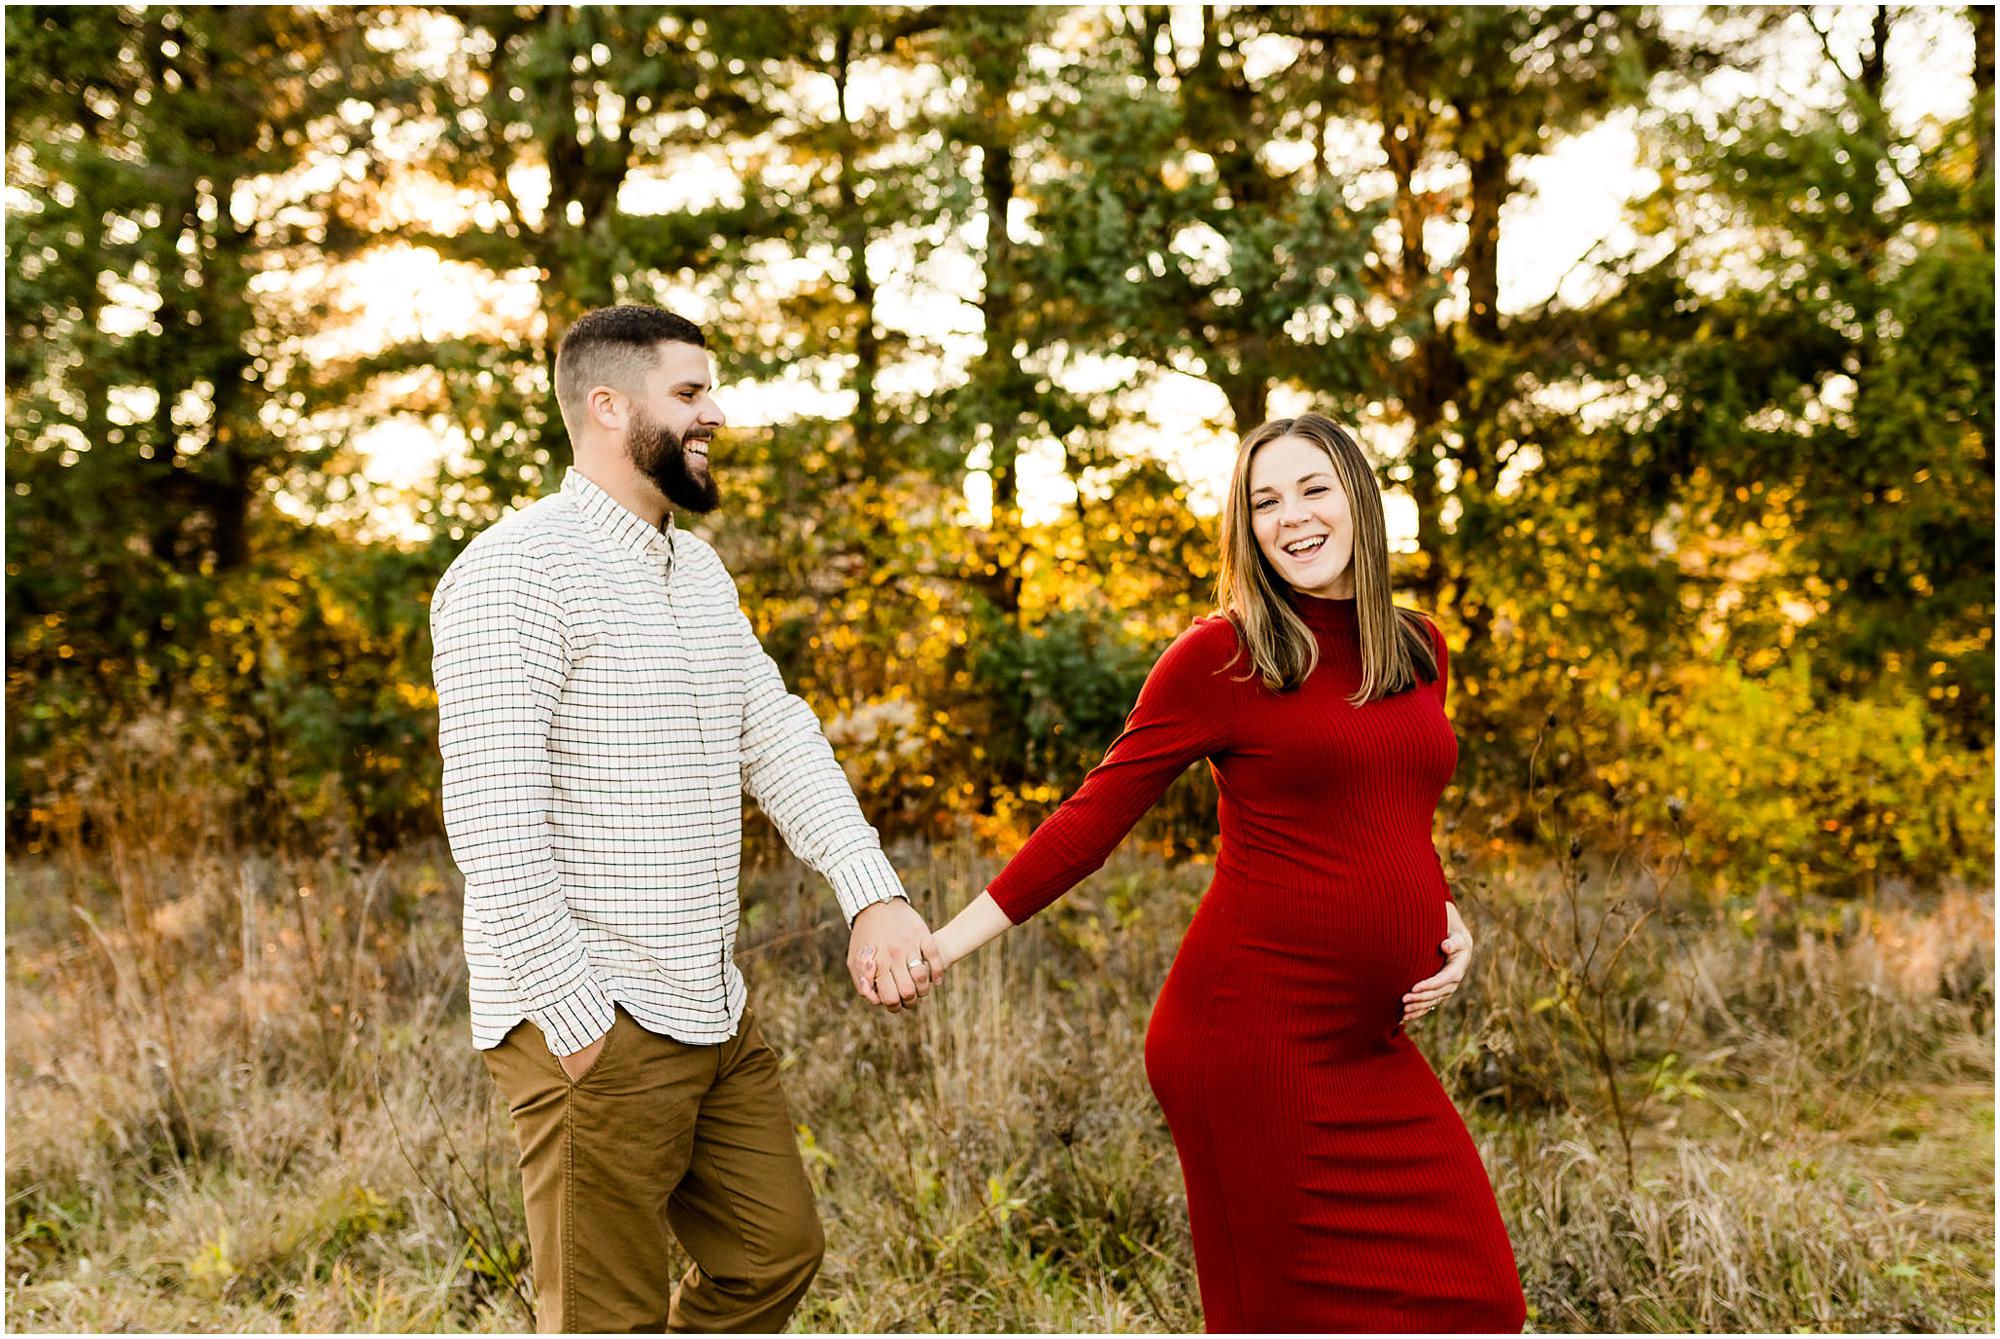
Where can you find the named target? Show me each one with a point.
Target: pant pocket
(621, 1022)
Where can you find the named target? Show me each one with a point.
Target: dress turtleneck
(1325, 615)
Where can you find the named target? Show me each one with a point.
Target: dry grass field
(241, 1096)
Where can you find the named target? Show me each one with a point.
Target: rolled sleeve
(862, 880)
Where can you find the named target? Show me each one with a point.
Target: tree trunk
(998, 369)
(1982, 87)
(574, 275)
(1249, 395)
(1478, 467)
(1219, 109)
(1482, 244)
(1416, 376)
(854, 241)
(1875, 61)
(1873, 239)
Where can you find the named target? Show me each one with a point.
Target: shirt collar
(611, 518)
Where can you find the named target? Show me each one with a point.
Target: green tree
(1187, 229)
(154, 356)
(1819, 412)
(1766, 451)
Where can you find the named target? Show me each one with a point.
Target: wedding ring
(915, 963)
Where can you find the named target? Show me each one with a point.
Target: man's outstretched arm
(790, 770)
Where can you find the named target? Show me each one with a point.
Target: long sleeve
(790, 770)
(1181, 715)
(500, 661)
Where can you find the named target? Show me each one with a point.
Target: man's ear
(606, 408)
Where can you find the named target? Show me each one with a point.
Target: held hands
(1432, 991)
(892, 956)
(876, 954)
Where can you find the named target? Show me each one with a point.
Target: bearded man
(603, 705)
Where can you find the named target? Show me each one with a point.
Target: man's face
(673, 426)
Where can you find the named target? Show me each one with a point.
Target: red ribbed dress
(1331, 1185)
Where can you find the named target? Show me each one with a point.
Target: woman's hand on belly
(1432, 991)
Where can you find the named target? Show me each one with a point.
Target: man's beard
(660, 455)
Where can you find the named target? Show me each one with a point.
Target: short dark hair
(615, 346)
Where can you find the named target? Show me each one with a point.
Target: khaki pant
(660, 1135)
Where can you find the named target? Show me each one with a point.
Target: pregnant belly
(1275, 975)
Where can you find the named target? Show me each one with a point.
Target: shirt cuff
(862, 880)
(575, 1020)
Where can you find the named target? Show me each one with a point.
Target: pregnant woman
(1330, 1183)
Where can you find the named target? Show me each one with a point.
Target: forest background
(1703, 504)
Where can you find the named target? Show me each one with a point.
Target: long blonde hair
(1396, 648)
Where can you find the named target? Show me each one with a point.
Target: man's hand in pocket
(578, 1064)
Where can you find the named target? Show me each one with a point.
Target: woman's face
(1299, 514)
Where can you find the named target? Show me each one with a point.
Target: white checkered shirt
(602, 706)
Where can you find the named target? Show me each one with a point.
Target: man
(603, 703)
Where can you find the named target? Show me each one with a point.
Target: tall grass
(241, 1095)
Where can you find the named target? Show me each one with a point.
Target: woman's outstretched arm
(1181, 716)
(977, 921)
